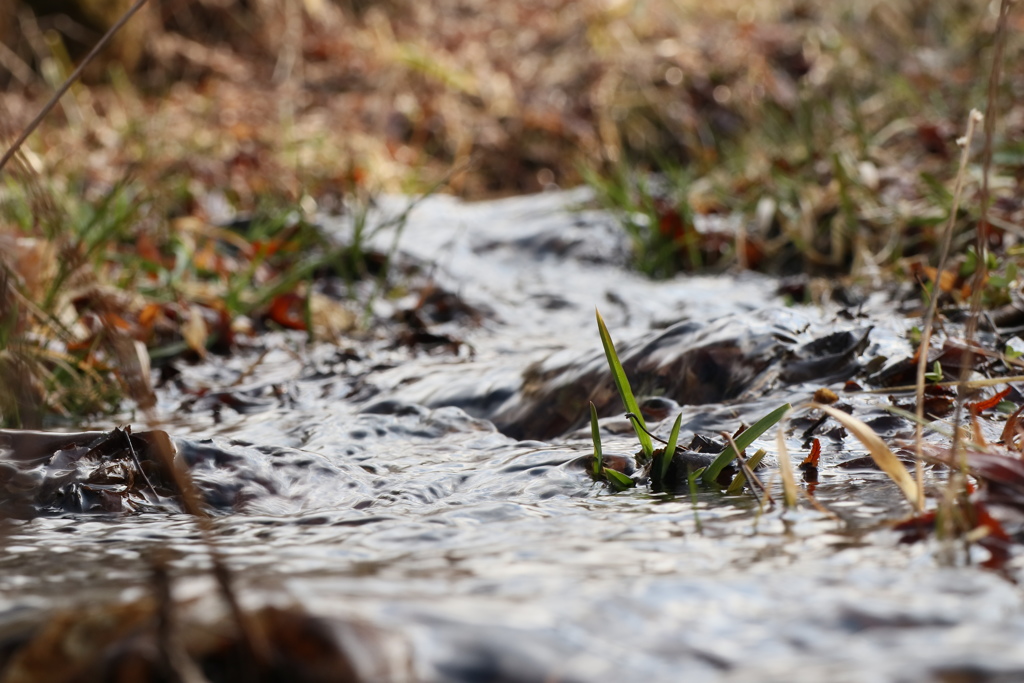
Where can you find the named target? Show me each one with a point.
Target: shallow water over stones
(431, 508)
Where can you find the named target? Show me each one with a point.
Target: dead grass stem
(933, 298)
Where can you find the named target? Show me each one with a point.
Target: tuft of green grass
(801, 171)
(109, 285)
(659, 222)
(659, 465)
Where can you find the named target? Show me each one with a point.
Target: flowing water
(429, 500)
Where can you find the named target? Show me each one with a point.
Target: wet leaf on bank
(809, 466)
(1013, 429)
(194, 331)
(82, 472)
(980, 527)
(813, 458)
(288, 311)
(989, 403)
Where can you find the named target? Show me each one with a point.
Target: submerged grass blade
(692, 481)
(740, 480)
(725, 458)
(879, 452)
(595, 433)
(670, 449)
(622, 384)
(618, 480)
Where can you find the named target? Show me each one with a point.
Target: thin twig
(127, 431)
(749, 474)
(16, 145)
(970, 384)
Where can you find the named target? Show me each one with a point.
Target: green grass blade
(740, 480)
(622, 384)
(595, 433)
(618, 480)
(670, 449)
(710, 476)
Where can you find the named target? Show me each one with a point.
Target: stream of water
(431, 505)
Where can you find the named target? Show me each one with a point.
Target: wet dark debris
(112, 472)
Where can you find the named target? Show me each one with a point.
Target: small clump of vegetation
(958, 512)
(666, 468)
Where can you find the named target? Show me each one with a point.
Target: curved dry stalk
(981, 242)
(252, 638)
(880, 453)
(789, 487)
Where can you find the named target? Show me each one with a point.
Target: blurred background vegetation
(166, 206)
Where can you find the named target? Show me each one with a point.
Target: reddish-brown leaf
(812, 459)
(1000, 469)
(149, 315)
(1012, 430)
(979, 407)
(670, 223)
(933, 139)
(287, 311)
(146, 248)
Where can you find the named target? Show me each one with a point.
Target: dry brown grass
(289, 97)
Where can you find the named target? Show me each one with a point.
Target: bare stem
(16, 145)
(929, 320)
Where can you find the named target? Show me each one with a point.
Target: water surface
(428, 502)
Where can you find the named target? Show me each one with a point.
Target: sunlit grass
(625, 392)
(655, 463)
